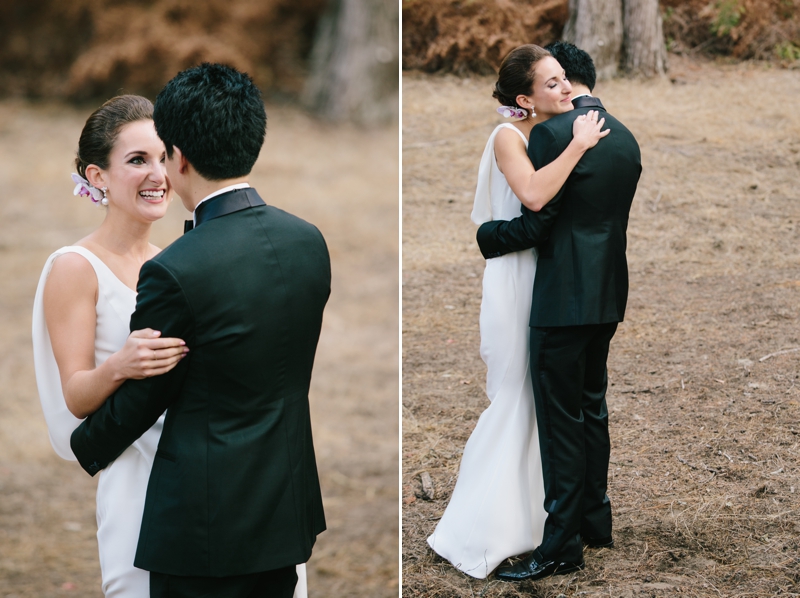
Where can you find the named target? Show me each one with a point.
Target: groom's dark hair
(578, 65)
(215, 115)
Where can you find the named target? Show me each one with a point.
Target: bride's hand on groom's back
(146, 354)
(587, 129)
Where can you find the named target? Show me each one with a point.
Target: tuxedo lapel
(227, 203)
(587, 102)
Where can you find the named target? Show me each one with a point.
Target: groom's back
(582, 274)
(257, 282)
(235, 466)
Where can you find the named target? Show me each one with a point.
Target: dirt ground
(704, 373)
(342, 179)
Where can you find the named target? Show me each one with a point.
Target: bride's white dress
(497, 507)
(122, 485)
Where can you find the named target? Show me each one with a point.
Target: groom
(233, 502)
(579, 296)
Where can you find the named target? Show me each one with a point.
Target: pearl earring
(104, 201)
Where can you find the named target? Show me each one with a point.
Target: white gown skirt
(497, 507)
(120, 504)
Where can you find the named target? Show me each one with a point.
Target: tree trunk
(355, 62)
(596, 27)
(644, 49)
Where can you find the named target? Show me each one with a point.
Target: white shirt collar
(218, 192)
(583, 95)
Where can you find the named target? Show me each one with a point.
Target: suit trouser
(278, 583)
(568, 367)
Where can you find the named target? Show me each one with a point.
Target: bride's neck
(539, 118)
(124, 236)
(525, 126)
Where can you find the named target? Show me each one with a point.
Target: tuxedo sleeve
(137, 404)
(530, 229)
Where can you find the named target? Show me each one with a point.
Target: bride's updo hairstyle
(102, 128)
(516, 74)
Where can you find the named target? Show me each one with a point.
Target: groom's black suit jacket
(234, 486)
(581, 273)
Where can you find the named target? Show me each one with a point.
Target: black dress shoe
(607, 542)
(532, 569)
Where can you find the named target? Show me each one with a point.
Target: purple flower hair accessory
(512, 112)
(85, 189)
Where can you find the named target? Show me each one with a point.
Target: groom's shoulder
(621, 132)
(613, 120)
(172, 255)
(278, 218)
(291, 232)
(559, 122)
(558, 126)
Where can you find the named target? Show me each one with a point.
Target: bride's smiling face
(136, 177)
(551, 90)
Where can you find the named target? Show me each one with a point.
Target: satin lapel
(227, 203)
(587, 102)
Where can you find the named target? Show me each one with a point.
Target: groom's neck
(578, 89)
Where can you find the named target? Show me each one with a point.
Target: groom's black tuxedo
(579, 295)
(234, 487)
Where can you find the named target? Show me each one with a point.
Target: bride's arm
(70, 296)
(534, 188)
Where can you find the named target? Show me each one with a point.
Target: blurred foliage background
(89, 50)
(473, 36)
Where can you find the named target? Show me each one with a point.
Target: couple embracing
(553, 197)
(219, 497)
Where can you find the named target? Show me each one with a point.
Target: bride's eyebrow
(136, 153)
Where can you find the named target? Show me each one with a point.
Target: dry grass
(342, 179)
(704, 478)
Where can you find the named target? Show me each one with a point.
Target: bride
(82, 347)
(497, 506)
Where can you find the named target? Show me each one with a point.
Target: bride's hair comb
(512, 112)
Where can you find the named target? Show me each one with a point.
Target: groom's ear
(183, 163)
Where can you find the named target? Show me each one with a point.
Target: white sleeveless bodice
(494, 199)
(115, 304)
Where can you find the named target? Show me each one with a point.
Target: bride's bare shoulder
(71, 276)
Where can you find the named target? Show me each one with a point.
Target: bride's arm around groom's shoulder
(530, 229)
